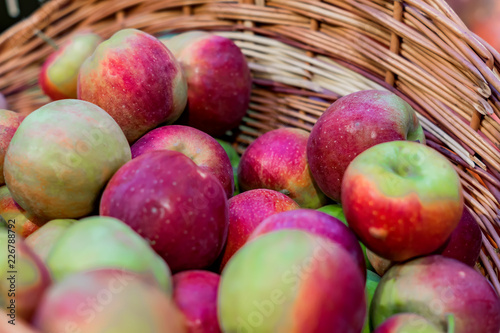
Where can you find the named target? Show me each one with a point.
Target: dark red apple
(178, 207)
(200, 147)
(195, 294)
(246, 211)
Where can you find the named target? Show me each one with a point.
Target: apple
(372, 281)
(200, 147)
(136, 79)
(407, 323)
(59, 74)
(9, 122)
(234, 158)
(246, 211)
(180, 209)
(105, 242)
(379, 264)
(107, 300)
(3, 102)
(317, 223)
(14, 326)
(195, 294)
(41, 241)
(61, 157)
(219, 81)
(11, 211)
(433, 287)
(291, 281)
(402, 199)
(353, 124)
(23, 277)
(277, 161)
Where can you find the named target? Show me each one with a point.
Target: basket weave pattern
(306, 54)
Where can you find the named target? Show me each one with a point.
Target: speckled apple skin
(9, 122)
(136, 79)
(433, 287)
(200, 147)
(246, 211)
(318, 223)
(277, 161)
(351, 125)
(219, 82)
(11, 211)
(178, 207)
(195, 294)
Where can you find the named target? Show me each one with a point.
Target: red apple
(246, 211)
(317, 223)
(402, 199)
(218, 78)
(9, 122)
(277, 161)
(107, 300)
(180, 209)
(353, 124)
(200, 147)
(195, 294)
(136, 79)
(22, 223)
(61, 157)
(59, 74)
(488, 29)
(435, 287)
(407, 323)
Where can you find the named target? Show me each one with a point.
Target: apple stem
(451, 323)
(46, 39)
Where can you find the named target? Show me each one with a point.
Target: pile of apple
(128, 216)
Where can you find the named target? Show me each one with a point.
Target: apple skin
(246, 211)
(107, 300)
(9, 122)
(277, 161)
(353, 124)
(10, 210)
(181, 209)
(61, 157)
(291, 274)
(317, 223)
(136, 79)
(379, 264)
(402, 199)
(435, 286)
(105, 242)
(58, 77)
(219, 81)
(200, 147)
(195, 294)
(407, 323)
(31, 280)
(43, 240)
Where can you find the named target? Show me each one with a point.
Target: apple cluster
(131, 214)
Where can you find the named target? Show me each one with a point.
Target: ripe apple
(59, 74)
(107, 300)
(291, 281)
(200, 147)
(195, 294)
(43, 240)
(23, 277)
(402, 199)
(433, 287)
(105, 242)
(61, 157)
(9, 122)
(246, 211)
(136, 79)
(277, 161)
(407, 322)
(317, 223)
(10, 210)
(180, 209)
(353, 124)
(219, 80)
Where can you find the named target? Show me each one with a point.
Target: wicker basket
(304, 55)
